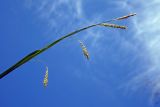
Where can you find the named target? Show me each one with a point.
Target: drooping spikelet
(125, 17)
(113, 25)
(84, 49)
(45, 81)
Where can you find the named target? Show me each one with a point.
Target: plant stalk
(37, 52)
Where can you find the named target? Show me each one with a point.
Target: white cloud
(146, 25)
(79, 10)
(52, 12)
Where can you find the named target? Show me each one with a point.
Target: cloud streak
(147, 30)
(53, 15)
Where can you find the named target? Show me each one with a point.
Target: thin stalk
(37, 52)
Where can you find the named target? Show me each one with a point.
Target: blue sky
(123, 70)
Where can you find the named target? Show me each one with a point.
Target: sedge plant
(45, 48)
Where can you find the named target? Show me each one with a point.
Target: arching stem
(37, 52)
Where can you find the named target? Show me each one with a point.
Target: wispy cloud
(147, 31)
(57, 13)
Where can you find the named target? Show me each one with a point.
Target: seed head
(125, 17)
(112, 25)
(84, 49)
(45, 81)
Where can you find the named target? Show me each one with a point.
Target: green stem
(37, 52)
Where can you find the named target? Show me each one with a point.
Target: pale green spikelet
(45, 81)
(84, 49)
(112, 25)
(125, 17)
